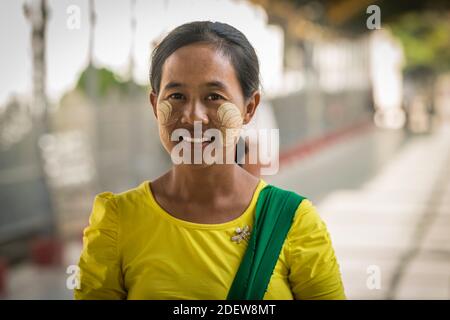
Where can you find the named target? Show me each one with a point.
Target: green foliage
(101, 82)
(425, 37)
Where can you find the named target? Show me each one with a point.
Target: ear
(250, 107)
(153, 101)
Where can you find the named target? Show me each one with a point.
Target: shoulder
(108, 206)
(306, 210)
(284, 196)
(104, 210)
(134, 196)
(308, 229)
(307, 218)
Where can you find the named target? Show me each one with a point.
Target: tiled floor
(399, 221)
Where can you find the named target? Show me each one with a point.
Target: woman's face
(199, 85)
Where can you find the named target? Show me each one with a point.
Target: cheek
(229, 116)
(163, 111)
(230, 121)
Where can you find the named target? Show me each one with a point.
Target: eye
(215, 96)
(176, 96)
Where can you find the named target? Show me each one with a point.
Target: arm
(314, 270)
(100, 272)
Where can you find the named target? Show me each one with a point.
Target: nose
(195, 111)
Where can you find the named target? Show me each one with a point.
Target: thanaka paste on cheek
(230, 120)
(163, 112)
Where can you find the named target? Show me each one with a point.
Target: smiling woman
(206, 230)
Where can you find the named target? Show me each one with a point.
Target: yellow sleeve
(314, 270)
(100, 275)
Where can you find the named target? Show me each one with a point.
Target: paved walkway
(391, 234)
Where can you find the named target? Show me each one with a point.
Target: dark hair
(225, 38)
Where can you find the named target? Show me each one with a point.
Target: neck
(203, 183)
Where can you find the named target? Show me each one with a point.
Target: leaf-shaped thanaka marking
(230, 120)
(163, 111)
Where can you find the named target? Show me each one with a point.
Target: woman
(184, 235)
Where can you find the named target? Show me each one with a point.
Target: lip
(197, 140)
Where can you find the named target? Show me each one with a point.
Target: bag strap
(275, 211)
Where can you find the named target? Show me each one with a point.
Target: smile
(197, 140)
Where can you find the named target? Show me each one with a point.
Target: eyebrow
(214, 83)
(217, 84)
(172, 85)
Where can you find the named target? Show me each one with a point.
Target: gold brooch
(241, 234)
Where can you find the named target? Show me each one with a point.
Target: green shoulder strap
(275, 210)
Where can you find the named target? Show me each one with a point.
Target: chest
(177, 263)
(220, 212)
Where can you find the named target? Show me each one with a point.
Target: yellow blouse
(134, 249)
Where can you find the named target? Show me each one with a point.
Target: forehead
(198, 64)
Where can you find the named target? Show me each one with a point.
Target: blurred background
(359, 89)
